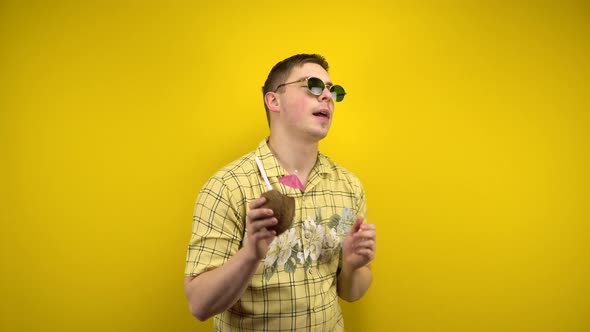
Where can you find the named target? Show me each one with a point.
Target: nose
(326, 94)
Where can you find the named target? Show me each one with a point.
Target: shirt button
(310, 271)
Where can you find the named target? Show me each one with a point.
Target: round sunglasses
(316, 86)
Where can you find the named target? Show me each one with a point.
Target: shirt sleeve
(361, 201)
(217, 229)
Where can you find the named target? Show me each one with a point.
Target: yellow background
(467, 122)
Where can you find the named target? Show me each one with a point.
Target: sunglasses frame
(331, 87)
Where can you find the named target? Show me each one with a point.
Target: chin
(320, 135)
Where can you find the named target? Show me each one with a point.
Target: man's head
(281, 71)
(299, 98)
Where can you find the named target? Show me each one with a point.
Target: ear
(272, 102)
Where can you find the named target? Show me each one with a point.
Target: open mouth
(322, 114)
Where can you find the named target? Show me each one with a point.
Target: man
(238, 268)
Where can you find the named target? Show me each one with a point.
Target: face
(300, 113)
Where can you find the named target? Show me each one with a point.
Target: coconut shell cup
(283, 208)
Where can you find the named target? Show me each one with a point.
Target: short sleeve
(361, 201)
(217, 229)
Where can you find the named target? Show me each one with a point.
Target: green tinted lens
(338, 92)
(315, 85)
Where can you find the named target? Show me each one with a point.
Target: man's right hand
(258, 237)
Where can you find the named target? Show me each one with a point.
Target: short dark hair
(281, 71)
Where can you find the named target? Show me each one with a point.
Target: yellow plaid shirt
(294, 288)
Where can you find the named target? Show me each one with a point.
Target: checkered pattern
(305, 300)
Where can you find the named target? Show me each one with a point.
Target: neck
(295, 156)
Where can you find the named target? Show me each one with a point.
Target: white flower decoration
(280, 248)
(330, 245)
(315, 242)
(313, 236)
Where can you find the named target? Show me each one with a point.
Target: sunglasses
(316, 86)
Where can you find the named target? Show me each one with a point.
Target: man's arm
(215, 291)
(358, 250)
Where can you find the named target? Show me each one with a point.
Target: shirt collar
(274, 169)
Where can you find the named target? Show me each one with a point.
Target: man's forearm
(353, 284)
(217, 290)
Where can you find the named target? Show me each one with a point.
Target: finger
(261, 224)
(259, 213)
(357, 225)
(262, 235)
(368, 234)
(368, 244)
(369, 255)
(366, 226)
(255, 204)
(359, 240)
